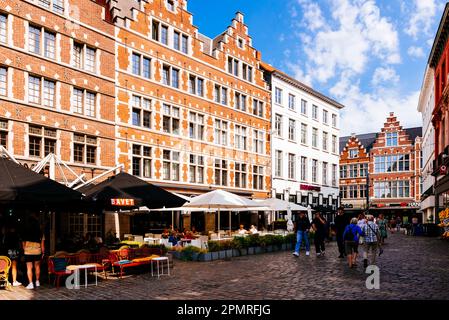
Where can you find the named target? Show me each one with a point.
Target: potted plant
(190, 253)
(239, 246)
(214, 248)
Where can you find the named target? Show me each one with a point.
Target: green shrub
(213, 246)
(187, 252)
(290, 238)
(252, 240)
(238, 243)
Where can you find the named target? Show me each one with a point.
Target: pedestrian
(414, 225)
(302, 233)
(398, 223)
(10, 244)
(34, 249)
(340, 225)
(382, 224)
(361, 221)
(319, 226)
(351, 237)
(371, 235)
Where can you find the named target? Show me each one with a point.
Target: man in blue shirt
(351, 237)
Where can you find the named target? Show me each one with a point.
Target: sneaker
(30, 286)
(318, 254)
(38, 284)
(365, 263)
(16, 284)
(296, 254)
(307, 253)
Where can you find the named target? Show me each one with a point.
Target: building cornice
(440, 39)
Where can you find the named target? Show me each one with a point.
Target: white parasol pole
(230, 219)
(218, 223)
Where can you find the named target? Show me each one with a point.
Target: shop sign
(309, 188)
(122, 202)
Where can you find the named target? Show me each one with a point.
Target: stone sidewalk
(410, 268)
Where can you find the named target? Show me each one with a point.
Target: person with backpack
(372, 240)
(351, 237)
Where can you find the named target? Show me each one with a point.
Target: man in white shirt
(242, 230)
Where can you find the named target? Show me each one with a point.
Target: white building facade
(305, 145)
(425, 107)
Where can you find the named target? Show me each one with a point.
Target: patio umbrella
(276, 204)
(220, 199)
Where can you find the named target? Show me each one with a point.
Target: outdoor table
(77, 268)
(153, 240)
(162, 259)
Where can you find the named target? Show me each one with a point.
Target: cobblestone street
(410, 268)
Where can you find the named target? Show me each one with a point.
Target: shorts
(33, 257)
(351, 247)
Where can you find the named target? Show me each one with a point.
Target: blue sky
(369, 55)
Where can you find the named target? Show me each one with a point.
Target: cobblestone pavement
(410, 268)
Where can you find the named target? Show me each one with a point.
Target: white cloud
(382, 75)
(416, 52)
(421, 20)
(299, 74)
(313, 17)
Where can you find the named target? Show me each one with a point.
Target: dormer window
(240, 43)
(353, 153)
(171, 5)
(392, 139)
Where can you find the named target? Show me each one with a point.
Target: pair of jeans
(319, 242)
(300, 235)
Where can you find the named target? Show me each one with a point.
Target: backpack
(349, 235)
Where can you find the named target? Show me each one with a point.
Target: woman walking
(319, 226)
(382, 224)
(351, 237)
(34, 249)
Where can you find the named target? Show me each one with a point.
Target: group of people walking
(363, 231)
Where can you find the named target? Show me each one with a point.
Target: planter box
(205, 257)
(195, 256)
(222, 254)
(243, 252)
(235, 253)
(269, 248)
(284, 246)
(215, 255)
(177, 254)
(258, 250)
(251, 250)
(228, 253)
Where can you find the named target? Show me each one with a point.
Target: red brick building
(439, 61)
(394, 163)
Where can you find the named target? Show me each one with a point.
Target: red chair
(57, 274)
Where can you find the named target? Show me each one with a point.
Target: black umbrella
(20, 186)
(129, 192)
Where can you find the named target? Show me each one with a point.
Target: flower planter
(177, 254)
(215, 255)
(222, 254)
(235, 253)
(269, 248)
(195, 256)
(243, 251)
(228, 253)
(258, 250)
(251, 250)
(205, 257)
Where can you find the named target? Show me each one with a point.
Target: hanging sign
(122, 202)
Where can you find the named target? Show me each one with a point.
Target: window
(278, 95)
(49, 45)
(303, 133)
(362, 191)
(291, 166)
(247, 72)
(221, 132)
(84, 149)
(240, 137)
(315, 137)
(170, 76)
(170, 119)
(141, 112)
(240, 175)
(170, 166)
(240, 43)
(240, 101)
(221, 94)
(334, 144)
(291, 129)
(343, 172)
(3, 133)
(314, 170)
(258, 108)
(278, 163)
(343, 192)
(314, 112)
(83, 57)
(392, 139)
(56, 5)
(325, 138)
(155, 30)
(353, 171)
(363, 169)
(34, 90)
(141, 161)
(233, 66)
(325, 168)
(258, 177)
(89, 104)
(184, 44)
(3, 28)
(303, 168)
(303, 107)
(164, 35)
(170, 5)
(34, 40)
(325, 117)
(352, 191)
(196, 126)
(196, 85)
(353, 153)
(176, 40)
(42, 141)
(196, 169)
(291, 101)
(141, 66)
(392, 189)
(49, 93)
(334, 120)
(396, 163)
(221, 172)
(334, 175)
(3, 81)
(258, 141)
(278, 125)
